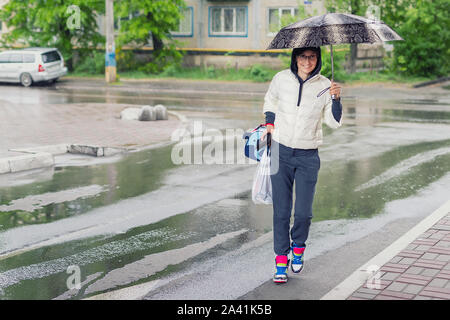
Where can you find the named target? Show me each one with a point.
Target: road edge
(348, 286)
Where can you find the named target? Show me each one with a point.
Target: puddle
(115, 219)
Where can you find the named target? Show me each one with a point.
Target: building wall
(257, 37)
(205, 49)
(316, 7)
(254, 42)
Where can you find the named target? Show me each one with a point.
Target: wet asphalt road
(171, 231)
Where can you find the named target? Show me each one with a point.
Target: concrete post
(110, 54)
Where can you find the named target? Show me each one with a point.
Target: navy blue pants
(289, 165)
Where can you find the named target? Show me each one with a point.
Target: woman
(295, 106)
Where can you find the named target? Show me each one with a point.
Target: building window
(228, 21)
(120, 20)
(185, 26)
(277, 17)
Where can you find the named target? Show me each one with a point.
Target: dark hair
(299, 51)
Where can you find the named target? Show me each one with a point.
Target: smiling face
(306, 62)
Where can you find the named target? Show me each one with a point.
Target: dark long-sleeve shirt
(336, 108)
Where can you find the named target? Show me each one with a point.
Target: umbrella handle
(332, 63)
(325, 90)
(332, 69)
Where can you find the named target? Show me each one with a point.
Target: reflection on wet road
(142, 218)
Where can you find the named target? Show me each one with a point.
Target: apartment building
(231, 32)
(244, 25)
(212, 28)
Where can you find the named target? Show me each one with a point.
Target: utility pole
(110, 54)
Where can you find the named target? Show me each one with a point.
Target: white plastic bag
(262, 186)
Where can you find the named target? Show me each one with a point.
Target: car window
(51, 56)
(4, 58)
(15, 58)
(28, 58)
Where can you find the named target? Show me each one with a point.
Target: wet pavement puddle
(142, 219)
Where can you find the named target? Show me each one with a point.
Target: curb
(95, 151)
(352, 283)
(53, 149)
(42, 157)
(26, 162)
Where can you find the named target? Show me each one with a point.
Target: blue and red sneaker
(297, 258)
(281, 266)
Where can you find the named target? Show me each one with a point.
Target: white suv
(31, 65)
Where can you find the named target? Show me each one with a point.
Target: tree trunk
(355, 8)
(157, 43)
(69, 61)
(353, 55)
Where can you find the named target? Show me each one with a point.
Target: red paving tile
(437, 240)
(432, 292)
(444, 274)
(410, 254)
(395, 294)
(432, 264)
(414, 279)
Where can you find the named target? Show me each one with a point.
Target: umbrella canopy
(332, 28)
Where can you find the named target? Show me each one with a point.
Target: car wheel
(26, 80)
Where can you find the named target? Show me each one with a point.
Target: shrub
(259, 73)
(163, 59)
(93, 63)
(170, 71)
(426, 48)
(211, 72)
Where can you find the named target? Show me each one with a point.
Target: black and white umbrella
(332, 28)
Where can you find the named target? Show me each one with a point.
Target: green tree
(151, 20)
(426, 49)
(300, 15)
(53, 23)
(357, 7)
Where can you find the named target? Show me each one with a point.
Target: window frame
(232, 34)
(280, 10)
(185, 34)
(52, 54)
(118, 20)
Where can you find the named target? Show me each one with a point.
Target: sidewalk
(45, 119)
(42, 133)
(415, 267)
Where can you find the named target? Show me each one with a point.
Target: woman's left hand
(335, 89)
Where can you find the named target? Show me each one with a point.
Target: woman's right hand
(269, 129)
